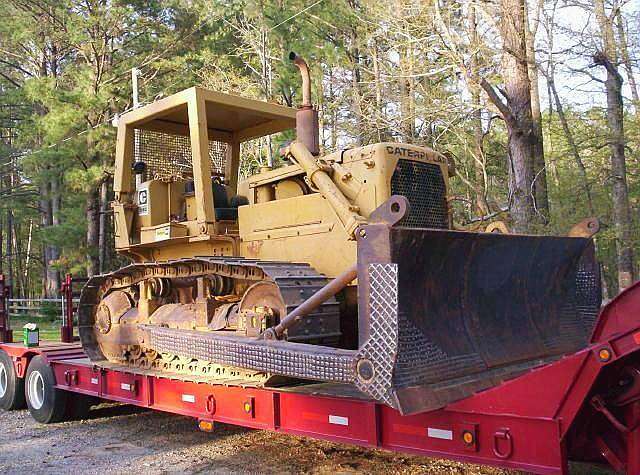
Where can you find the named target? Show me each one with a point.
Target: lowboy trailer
(346, 269)
(582, 407)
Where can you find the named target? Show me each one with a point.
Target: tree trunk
(626, 59)
(621, 210)
(586, 188)
(321, 115)
(1, 239)
(520, 127)
(45, 220)
(52, 279)
(516, 113)
(407, 116)
(540, 189)
(357, 92)
(378, 90)
(9, 251)
(19, 270)
(615, 119)
(102, 231)
(28, 258)
(482, 208)
(334, 114)
(93, 225)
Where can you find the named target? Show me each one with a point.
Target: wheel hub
(103, 319)
(35, 391)
(261, 307)
(4, 380)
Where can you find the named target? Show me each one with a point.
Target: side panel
(300, 229)
(527, 443)
(340, 420)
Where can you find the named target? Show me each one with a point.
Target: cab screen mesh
(168, 155)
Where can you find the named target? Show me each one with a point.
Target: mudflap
(472, 309)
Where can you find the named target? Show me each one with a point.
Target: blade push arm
(319, 178)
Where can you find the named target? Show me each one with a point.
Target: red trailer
(584, 406)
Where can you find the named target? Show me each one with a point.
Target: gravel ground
(123, 439)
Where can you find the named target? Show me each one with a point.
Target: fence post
(66, 329)
(6, 334)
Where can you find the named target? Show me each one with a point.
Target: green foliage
(73, 74)
(50, 311)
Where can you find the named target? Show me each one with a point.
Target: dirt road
(120, 439)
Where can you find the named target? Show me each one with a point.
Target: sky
(575, 40)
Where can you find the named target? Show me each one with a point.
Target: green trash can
(30, 335)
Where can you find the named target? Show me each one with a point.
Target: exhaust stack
(307, 128)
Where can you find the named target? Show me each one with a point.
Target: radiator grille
(423, 185)
(168, 155)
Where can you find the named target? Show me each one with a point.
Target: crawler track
(296, 283)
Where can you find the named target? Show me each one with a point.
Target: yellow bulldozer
(343, 269)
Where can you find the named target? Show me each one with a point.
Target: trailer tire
(46, 403)
(11, 386)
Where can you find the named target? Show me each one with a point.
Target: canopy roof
(229, 118)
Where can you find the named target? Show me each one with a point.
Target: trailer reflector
(205, 426)
(604, 354)
(188, 398)
(249, 406)
(440, 433)
(338, 420)
(94, 381)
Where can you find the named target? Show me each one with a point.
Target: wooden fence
(37, 308)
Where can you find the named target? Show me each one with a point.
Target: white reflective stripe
(94, 380)
(338, 420)
(188, 398)
(440, 433)
(125, 386)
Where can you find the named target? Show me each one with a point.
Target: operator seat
(225, 209)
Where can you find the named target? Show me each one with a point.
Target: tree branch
(16, 84)
(497, 101)
(601, 59)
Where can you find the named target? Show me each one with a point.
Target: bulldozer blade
(442, 314)
(473, 309)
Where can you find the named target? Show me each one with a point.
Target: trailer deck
(583, 407)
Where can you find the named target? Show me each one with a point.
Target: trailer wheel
(11, 387)
(46, 403)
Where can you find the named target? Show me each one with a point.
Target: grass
(49, 329)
